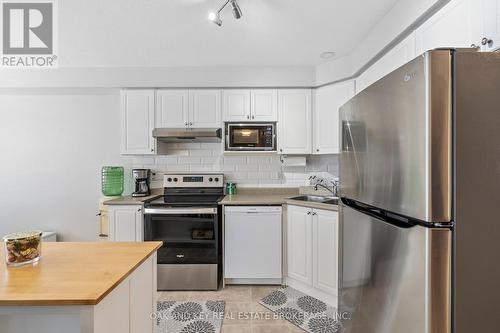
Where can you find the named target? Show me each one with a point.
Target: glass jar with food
(23, 248)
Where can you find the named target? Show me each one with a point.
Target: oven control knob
(210, 179)
(169, 179)
(216, 179)
(175, 179)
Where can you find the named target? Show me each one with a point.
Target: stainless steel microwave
(250, 137)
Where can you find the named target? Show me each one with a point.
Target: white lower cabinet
(325, 249)
(126, 223)
(312, 252)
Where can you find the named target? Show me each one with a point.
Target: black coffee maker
(141, 180)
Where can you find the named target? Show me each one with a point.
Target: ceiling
(172, 33)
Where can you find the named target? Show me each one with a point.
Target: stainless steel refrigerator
(420, 189)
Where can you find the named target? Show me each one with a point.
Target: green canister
(230, 188)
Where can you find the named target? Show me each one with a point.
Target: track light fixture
(235, 8)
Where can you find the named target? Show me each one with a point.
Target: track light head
(215, 18)
(236, 10)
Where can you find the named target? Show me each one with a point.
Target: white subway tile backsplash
(259, 175)
(177, 168)
(258, 160)
(247, 167)
(246, 170)
(270, 167)
(200, 168)
(189, 160)
(166, 160)
(200, 152)
(235, 160)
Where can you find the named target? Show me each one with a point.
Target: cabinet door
(205, 108)
(455, 25)
(325, 250)
(171, 109)
(326, 116)
(299, 250)
(396, 57)
(294, 135)
(264, 105)
(236, 104)
(491, 24)
(138, 122)
(126, 223)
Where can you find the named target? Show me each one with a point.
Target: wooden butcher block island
(81, 287)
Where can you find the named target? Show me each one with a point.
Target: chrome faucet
(331, 185)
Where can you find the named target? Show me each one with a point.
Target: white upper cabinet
(250, 105)
(172, 108)
(264, 104)
(458, 24)
(205, 108)
(396, 57)
(294, 119)
(236, 105)
(490, 39)
(328, 100)
(138, 120)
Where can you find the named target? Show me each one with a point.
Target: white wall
(154, 77)
(52, 148)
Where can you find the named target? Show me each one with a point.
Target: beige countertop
(130, 200)
(259, 196)
(272, 196)
(72, 273)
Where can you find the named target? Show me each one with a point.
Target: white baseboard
(254, 281)
(311, 291)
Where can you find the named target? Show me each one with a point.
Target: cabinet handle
(486, 41)
(309, 213)
(281, 150)
(474, 46)
(314, 214)
(317, 150)
(190, 124)
(248, 117)
(186, 123)
(152, 150)
(253, 117)
(139, 210)
(98, 214)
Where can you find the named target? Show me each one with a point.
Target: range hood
(170, 135)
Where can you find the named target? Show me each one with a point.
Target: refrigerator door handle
(388, 217)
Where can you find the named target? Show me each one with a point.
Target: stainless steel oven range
(187, 219)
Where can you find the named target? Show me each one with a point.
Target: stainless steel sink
(317, 199)
(334, 201)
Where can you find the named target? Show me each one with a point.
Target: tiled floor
(244, 314)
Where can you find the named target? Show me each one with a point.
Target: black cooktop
(183, 200)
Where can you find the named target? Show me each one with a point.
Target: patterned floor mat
(189, 316)
(304, 311)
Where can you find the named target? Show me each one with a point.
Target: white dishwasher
(252, 244)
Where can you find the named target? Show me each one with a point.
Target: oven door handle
(177, 211)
